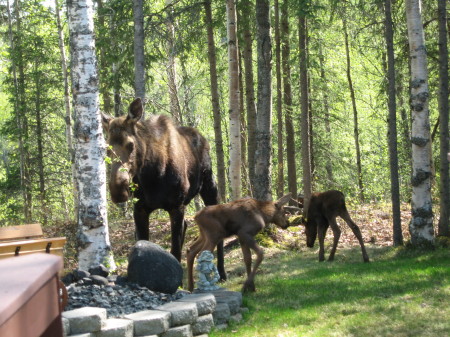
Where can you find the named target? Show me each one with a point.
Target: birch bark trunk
(93, 235)
(421, 225)
(234, 111)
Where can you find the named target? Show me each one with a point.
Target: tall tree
(355, 112)
(68, 116)
(287, 99)
(392, 125)
(234, 110)
(421, 225)
(139, 54)
(329, 143)
(93, 236)
(305, 120)
(444, 221)
(215, 102)
(247, 52)
(175, 108)
(263, 154)
(280, 152)
(21, 117)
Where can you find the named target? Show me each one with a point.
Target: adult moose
(322, 212)
(168, 166)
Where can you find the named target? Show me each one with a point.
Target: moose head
(123, 149)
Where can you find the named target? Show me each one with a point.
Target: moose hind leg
(355, 229)
(336, 236)
(220, 262)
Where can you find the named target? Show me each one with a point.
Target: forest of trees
(293, 96)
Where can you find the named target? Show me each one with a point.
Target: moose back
(163, 165)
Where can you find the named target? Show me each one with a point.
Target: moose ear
(284, 200)
(105, 121)
(136, 110)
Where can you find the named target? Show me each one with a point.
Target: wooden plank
(10, 233)
(53, 245)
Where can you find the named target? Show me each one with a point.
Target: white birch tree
(421, 226)
(89, 144)
(234, 109)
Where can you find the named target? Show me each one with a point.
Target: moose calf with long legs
(244, 218)
(322, 212)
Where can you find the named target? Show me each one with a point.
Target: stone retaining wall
(192, 315)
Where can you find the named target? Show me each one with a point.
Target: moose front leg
(248, 243)
(178, 228)
(141, 222)
(321, 231)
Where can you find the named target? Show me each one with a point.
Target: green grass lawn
(400, 293)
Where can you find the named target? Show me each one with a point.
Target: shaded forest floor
(374, 220)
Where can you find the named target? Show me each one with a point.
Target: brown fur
(168, 166)
(244, 218)
(323, 210)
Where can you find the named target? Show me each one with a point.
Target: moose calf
(244, 218)
(322, 212)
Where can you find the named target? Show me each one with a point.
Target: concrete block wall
(193, 315)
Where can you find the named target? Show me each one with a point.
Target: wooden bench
(27, 239)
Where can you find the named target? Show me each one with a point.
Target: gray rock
(151, 266)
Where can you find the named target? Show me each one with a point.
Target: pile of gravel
(114, 293)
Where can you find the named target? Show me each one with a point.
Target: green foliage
(39, 94)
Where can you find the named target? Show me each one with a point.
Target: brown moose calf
(244, 218)
(322, 212)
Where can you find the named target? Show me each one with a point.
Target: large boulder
(151, 266)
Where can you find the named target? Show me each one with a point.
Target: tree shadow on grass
(296, 280)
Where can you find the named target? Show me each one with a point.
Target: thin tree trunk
(40, 147)
(263, 154)
(329, 144)
(280, 152)
(215, 103)
(175, 109)
(392, 125)
(305, 129)
(68, 116)
(22, 122)
(235, 124)
(355, 114)
(287, 97)
(244, 131)
(93, 234)
(444, 220)
(107, 102)
(249, 90)
(421, 225)
(139, 54)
